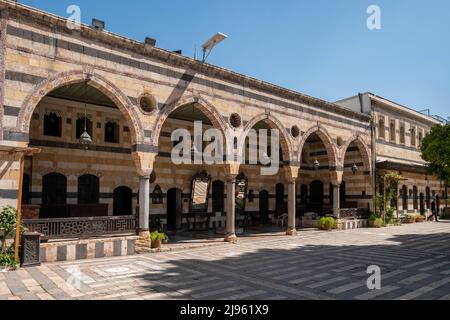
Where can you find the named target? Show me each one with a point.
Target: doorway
(316, 196)
(174, 209)
(264, 206)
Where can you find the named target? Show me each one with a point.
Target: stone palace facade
(130, 96)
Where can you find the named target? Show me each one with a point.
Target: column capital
(336, 177)
(232, 169)
(291, 173)
(144, 162)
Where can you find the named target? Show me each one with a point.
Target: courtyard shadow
(413, 266)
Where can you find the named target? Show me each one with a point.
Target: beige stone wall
(114, 169)
(420, 181)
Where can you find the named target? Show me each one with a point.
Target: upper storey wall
(39, 53)
(400, 134)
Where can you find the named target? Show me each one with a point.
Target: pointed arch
(95, 80)
(274, 123)
(330, 146)
(363, 148)
(200, 103)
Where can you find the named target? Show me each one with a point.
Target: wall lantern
(316, 164)
(157, 196)
(355, 168)
(85, 138)
(251, 196)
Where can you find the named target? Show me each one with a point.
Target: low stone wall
(87, 249)
(352, 224)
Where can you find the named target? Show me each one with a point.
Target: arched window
(52, 125)
(80, 127)
(381, 128)
(88, 189)
(218, 189)
(112, 132)
(122, 205)
(54, 189)
(304, 194)
(279, 198)
(428, 197)
(416, 198)
(26, 198)
(413, 136)
(405, 197)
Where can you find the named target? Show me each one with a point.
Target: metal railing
(354, 213)
(71, 228)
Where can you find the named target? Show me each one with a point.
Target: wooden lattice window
(54, 189)
(112, 132)
(52, 125)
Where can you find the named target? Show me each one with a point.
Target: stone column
(292, 221)
(144, 205)
(232, 171)
(144, 162)
(231, 210)
(292, 175)
(336, 200)
(336, 180)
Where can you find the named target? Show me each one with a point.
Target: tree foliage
(8, 219)
(436, 151)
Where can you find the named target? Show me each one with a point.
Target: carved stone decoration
(147, 103)
(295, 131)
(78, 228)
(235, 120)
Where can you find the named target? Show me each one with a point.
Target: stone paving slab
(414, 261)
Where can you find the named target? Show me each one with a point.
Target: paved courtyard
(414, 260)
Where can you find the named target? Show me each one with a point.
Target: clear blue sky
(318, 47)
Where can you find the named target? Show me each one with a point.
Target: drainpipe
(373, 146)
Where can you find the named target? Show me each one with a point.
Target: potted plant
(420, 219)
(327, 223)
(409, 219)
(156, 239)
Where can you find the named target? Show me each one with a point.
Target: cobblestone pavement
(414, 259)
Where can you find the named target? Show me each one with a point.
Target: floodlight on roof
(209, 45)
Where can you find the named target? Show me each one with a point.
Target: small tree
(8, 220)
(390, 181)
(436, 151)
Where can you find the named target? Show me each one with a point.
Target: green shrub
(445, 215)
(327, 223)
(390, 214)
(8, 221)
(7, 260)
(157, 236)
(409, 219)
(377, 223)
